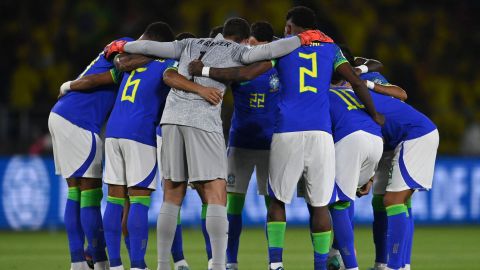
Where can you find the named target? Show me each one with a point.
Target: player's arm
(89, 82)
(128, 62)
(360, 89)
(171, 50)
(177, 81)
(278, 48)
(388, 89)
(364, 65)
(233, 74)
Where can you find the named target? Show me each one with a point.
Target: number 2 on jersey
(352, 103)
(133, 85)
(305, 71)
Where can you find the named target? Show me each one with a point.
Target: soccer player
(193, 146)
(130, 148)
(358, 148)
(251, 131)
(302, 144)
(407, 164)
(75, 123)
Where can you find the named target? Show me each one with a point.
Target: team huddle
(309, 119)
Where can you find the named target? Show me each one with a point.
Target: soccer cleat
(378, 266)
(182, 267)
(210, 264)
(335, 262)
(89, 258)
(276, 266)
(232, 266)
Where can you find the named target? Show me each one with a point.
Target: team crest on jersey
(274, 83)
(231, 180)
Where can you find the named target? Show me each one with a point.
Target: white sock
(101, 265)
(356, 268)
(276, 265)
(210, 264)
(120, 267)
(217, 228)
(407, 267)
(166, 226)
(79, 266)
(180, 263)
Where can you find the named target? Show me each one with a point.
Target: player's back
(402, 121)
(305, 78)
(189, 109)
(137, 108)
(348, 114)
(89, 109)
(255, 105)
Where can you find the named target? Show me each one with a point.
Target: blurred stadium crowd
(427, 47)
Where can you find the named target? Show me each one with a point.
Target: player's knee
(235, 203)
(174, 192)
(215, 192)
(90, 183)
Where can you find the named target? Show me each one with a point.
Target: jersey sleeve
(375, 77)
(339, 58)
(116, 75)
(171, 65)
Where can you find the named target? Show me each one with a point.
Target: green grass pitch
(434, 248)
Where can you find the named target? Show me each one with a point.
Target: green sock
(74, 194)
(235, 203)
(276, 240)
(91, 197)
(321, 242)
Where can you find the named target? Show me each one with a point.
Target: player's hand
(307, 37)
(195, 67)
(64, 89)
(357, 71)
(379, 119)
(115, 47)
(211, 95)
(365, 189)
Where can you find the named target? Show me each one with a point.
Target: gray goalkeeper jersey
(189, 109)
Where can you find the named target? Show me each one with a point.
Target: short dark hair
(185, 35)
(302, 17)
(159, 31)
(215, 31)
(236, 27)
(262, 31)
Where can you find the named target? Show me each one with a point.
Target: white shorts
(310, 154)
(130, 163)
(77, 152)
(241, 163)
(192, 154)
(357, 157)
(409, 166)
(159, 151)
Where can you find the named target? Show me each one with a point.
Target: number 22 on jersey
(131, 87)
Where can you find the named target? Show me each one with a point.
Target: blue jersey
(348, 114)
(375, 77)
(255, 105)
(89, 109)
(137, 109)
(402, 121)
(305, 77)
